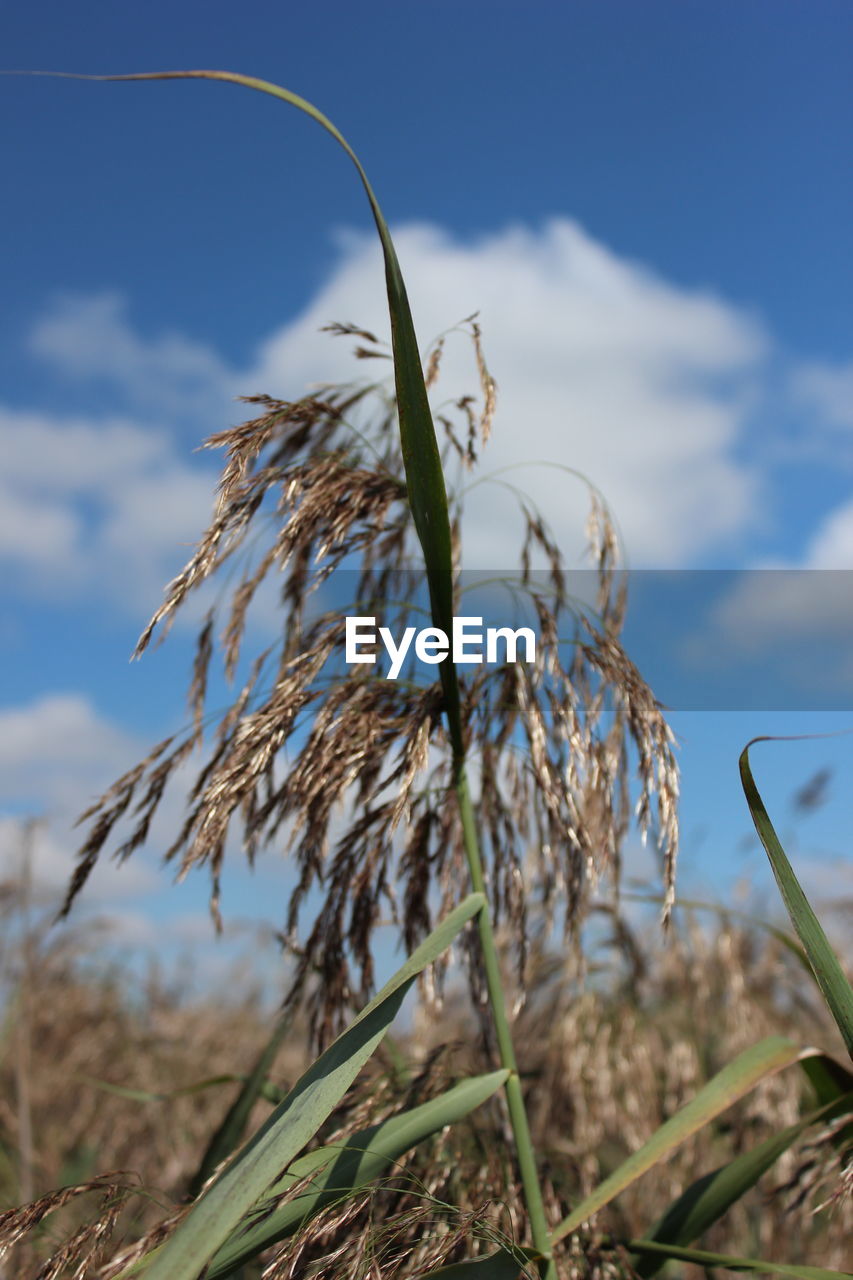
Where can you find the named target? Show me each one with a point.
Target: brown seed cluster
(352, 775)
(81, 1252)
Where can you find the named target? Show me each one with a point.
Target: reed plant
(117, 1058)
(549, 745)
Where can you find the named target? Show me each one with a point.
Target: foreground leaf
(730, 1263)
(503, 1265)
(339, 1170)
(295, 1121)
(228, 1135)
(710, 1197)
(828, 973)
(733, 1082)
(828, 1078)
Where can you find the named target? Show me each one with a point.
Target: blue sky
(650, 205)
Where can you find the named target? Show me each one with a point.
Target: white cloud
(192, 930)
(828, 391)
(772, 606)
(601, 365)
(91, 338)
(56, 755)
(102, 509)
(37, 533)
(768, 611)
(52, 865)
(832, 544)
(54, 748)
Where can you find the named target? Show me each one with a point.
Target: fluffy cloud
(100, 507)
(828, 391)
(91, 339)
(832, 545)
(57, 744)
(602, 366)
(52, 865)
(768, 609)
(56, 753)
(793, 620)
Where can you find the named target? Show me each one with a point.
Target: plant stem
(506, 1050)
(23, 1056)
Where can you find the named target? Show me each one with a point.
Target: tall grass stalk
(266, 1190)
(428, 501)
(514, 1096)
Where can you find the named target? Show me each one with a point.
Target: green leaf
(828, 1078)
(229, 1133)
(339, 1170)
(267, 1090)
(295, 1121)
(503, 1265)
(710, 1197)
(729, 1263)
(421, 457)
(736, 1079)
(828, 973)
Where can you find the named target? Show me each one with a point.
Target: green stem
(506, 1050)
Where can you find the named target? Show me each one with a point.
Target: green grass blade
(736, 1079)
(729, 1263)
(339, 1170)
(710, 1197)
(421, 457)
(259, 1164)
(828, 973)
(228, 1135)
(267, 1090)
(503, 1265)
(828, 1078)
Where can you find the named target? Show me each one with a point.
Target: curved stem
(506, 1049)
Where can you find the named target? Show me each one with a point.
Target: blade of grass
(229, 1133)
(421, 458)
(710, 1197)
(828, 1078)
(735, 1080)
(268, 1091)
(828, 973)
(339, 1170)
(260, 1162)
(503, 1265)
(730, 1263)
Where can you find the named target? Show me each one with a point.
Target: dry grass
(554, 742)
(604, 1059)
(564, 751)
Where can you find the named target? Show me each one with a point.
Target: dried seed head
(352, 773)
